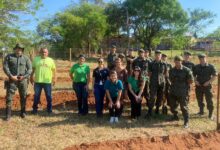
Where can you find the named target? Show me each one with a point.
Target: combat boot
(211, 115)
(23, 113)
(149, 114)
(8, 113)
(164, 110)
(201, 112)
(157, 111)
(174, 118)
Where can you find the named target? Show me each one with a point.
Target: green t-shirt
(43, 69)
(134, 84)
(80, 72)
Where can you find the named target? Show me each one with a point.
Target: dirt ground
(66, 98)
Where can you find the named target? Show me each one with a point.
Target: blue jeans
(99, 93)
(37, 92)
(82, 97)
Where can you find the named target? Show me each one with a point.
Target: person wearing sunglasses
(135, 90)
(100, 75)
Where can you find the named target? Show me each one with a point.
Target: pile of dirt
(202, 141)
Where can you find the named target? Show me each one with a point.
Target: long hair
(140, 79)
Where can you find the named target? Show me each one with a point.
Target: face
(113, 77)
(158, 56)
(164, 58)
(146, 53)
(186, 57)
(81, 60)
(44, 53)
(202, 60)
(113, 50)
(118, 62)
(130, 53)
(100, 62)
(177, 63)
(18, 51)
(136, 72)
(141, 54)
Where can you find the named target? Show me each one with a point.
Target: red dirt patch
(192, 141)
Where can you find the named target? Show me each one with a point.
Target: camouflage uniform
(167, 89)
(202, 74)
(144, 65)
(180, 79)
(111, 60)
(158, 72)
(17, 66)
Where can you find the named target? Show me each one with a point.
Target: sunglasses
(100, 61)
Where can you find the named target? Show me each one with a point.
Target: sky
(51, 7)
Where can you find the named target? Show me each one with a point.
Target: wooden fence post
(218, 94)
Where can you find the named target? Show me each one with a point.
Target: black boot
(201, 112)
(211, 115)
(174, 118)
(164, 110)
(157, 111)
(23, 113)
(8, 113)
(149, 114)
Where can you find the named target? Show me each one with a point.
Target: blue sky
(53, 6)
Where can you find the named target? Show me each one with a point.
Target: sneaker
(116, 119)
(186, 125)
(112, 119)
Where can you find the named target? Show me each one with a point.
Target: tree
(81, 26)
(151, 18)
(198, 20)
(215, 34)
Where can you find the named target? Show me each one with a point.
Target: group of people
(125, 77)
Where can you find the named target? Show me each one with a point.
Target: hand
(20, 78)
(136, 98)
(206, 83)
(139, 99)
(110, 104)
(118, 105)
(197, 83)
(14, 78)
(53, 81)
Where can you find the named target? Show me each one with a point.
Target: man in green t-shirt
(80, 74)
(43, 76)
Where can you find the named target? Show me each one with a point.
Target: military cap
(141, 50)
(157, 52)
(178, 58)
(164, 55)
(147, 50)
(113, 46)
(201, 55)
(18, 46)
(82, 56)
(187, 53)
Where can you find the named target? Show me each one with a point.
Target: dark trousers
(99, 93)
(82, 97)
(156, 95)
(135, 106)
(207, 91)
(11, 88)
(114, 111)
(146, 92)
(183, 101)
(37, 92)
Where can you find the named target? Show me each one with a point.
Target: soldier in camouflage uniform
(143, 63)
(166, 98)
(111, 58)
(180, 77)
(18, 68)
(158, 73)
(187, 63)
(130, 58)
(204, 74)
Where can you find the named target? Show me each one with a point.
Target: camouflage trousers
(11, 88)
(202, 91)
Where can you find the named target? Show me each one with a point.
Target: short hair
(112, 72)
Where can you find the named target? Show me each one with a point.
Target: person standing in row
(113, 88)
(18, 68)
(130, 58)
(100, 75)
(135, 89)
(204, 74)
(147, 55)
(43, 76)
(122, 75)
(166, 97)
(143, 63)
(158, 73)
(111, 58)
(80, 75)
(187, 63)
(181, 77)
